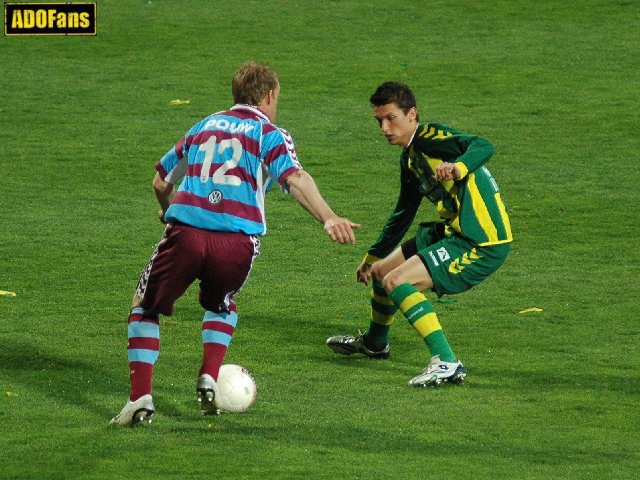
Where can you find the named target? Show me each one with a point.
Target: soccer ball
(236, 389)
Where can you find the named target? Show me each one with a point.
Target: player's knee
(136, 301)
(392, 280)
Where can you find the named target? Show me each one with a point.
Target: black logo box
(47, 18)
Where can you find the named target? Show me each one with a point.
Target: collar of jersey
(412, 136)
(251, 108)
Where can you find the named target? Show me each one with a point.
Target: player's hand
(447, 171)
(161, 217)
(363, 273)
(341, 229)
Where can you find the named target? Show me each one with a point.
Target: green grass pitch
(550, 394)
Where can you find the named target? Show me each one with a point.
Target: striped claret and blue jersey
(227, 163)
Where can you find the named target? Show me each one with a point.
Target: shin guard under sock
(217, 332)
(422, 317)
(142, 351)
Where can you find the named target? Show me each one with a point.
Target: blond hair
(252, 83)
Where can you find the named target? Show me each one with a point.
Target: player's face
(397, 126)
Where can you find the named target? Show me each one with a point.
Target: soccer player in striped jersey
(471, 241)
(227, 163)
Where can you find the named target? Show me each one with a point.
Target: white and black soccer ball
(236, 389)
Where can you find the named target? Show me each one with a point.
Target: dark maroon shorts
(220, 260)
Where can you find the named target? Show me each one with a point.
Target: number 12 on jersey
(213, 150)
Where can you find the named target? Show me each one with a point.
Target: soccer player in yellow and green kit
(449, 256)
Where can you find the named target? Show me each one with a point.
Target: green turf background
(550, 394)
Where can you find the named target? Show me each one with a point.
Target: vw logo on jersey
(215, 197)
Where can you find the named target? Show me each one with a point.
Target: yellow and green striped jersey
(470, 207)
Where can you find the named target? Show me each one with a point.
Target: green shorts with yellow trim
(455, 264)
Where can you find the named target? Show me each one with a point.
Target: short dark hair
(252, 82)
(394, 92)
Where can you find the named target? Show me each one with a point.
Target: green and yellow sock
(382, 311)
(422, 317)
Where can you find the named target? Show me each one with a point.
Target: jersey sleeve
(173, 164)
(400, 220)
(279, 154)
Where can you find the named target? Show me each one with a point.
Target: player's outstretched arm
(304, 189)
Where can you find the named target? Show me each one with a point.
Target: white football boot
(438, 372)
(136, 412)
(206, 391)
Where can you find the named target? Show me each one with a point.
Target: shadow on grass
(69, 380)
(422, 443)
(564, 377)
(548, 377)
